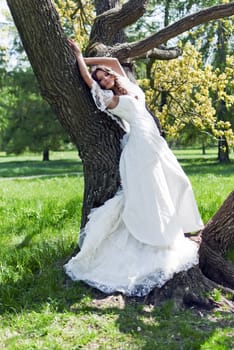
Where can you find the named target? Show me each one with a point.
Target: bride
(135, 241)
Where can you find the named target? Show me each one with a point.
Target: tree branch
(140, 48)
(162, 53)
(110, 22)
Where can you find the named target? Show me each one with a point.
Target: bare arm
(85, 72)
(81, 63)
(110, 62)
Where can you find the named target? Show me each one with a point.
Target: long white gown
(135, 241)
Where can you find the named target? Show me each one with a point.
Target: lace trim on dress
(140, 288)
(102, 99)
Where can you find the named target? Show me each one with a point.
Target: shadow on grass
(206, 166)
(37, 168)
(60, 167)
(149, 328)
(157, 329)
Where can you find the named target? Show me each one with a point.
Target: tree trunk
(195, 286)
(190, 288)
(217, 239)
(96, 136)
(46, 157)
(220, 63)
(223, 150)
(203, 148)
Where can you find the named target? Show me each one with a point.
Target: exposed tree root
(217, 238)
(192, 288)
(207, 285)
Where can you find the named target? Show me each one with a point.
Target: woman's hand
(81, 63)
(76, 49)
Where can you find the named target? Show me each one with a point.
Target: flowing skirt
(135, 241)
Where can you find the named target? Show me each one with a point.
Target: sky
(4, 37)
(3, 7)
(8, 33)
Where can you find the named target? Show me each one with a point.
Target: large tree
(96, 136)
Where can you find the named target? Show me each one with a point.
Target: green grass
(211, 181)
(42, 309)
(31, 165)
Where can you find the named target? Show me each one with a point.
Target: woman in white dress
(135, 241)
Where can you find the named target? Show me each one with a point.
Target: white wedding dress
(135, 241)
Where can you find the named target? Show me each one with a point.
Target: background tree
(213, 49)
(223, 53)
(190, 89)
(30, 123)
(96, 136)
(214, 41)
(76, 18)
(27, 121)
(2, 95)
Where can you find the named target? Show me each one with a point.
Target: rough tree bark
(194, 287)
(217, 241)
(96, 136)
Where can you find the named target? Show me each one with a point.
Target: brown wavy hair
(120, 88)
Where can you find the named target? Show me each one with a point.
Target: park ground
(40, 208)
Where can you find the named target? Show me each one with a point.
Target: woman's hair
(120, 88)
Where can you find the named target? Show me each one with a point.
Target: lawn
(32, 165)
(42, 309)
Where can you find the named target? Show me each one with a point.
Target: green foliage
(159, 14)
(26, 120)
(212, 50)
(209, 179)
(42, 309)
(189, 87)
(76, 17)
(216, 295)
(29, 122)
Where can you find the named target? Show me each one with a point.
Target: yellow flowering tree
(76, 17)
(190, 89)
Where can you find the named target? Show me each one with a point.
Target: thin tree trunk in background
(203, 148)
(223, 150)
(46, 157)
(166, 23)
(220, 60)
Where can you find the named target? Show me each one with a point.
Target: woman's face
(106, 80)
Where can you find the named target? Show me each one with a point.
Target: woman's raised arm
(85, 72)
(110, 62)
(81, 63)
